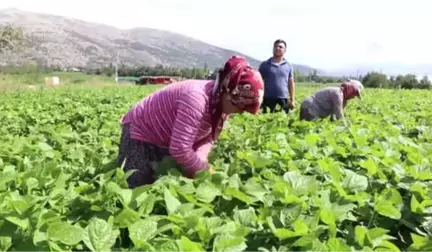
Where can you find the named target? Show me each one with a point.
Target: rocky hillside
(68, 42)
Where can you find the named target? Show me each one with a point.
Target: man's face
(279, 49)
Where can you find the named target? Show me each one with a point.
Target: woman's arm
(338, 108)
(190, 112)
(203, 148)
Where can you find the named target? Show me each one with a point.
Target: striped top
(178, 118)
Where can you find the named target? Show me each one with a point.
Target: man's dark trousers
(270, 104)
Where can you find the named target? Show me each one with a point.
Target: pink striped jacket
(176, 117)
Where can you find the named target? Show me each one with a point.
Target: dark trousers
(270, 104)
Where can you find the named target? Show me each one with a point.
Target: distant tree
(297, 72)
(409, 81)
(298, 75)
(327, 80)
(425, 83)
(375, 80)
(315, 76)
(11, 38)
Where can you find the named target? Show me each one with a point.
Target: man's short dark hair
(278, 41)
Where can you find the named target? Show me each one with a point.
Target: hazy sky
(320, 33)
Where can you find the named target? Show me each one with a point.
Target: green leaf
(245, 217)
(370, 165)
(387, 209)
(355, 182)
(392, 195)
(377, 233)
(57, 247)
(171, 202)
(146, 203)
(387, 246)
(207, 192)
(233, 192)
(337, 244)
(187, 245)
(300, 229)
(44, 146)
(305, 241)
(99, 235)
(415, 206)
(142, 231)
(5, 243)
(420, 243)
(125, 194)
(65, 233)
(329, 218)
(255, 189)
(300, 184)
(227, 242)
(22, 223)
(170, 245)
(126, 218)
(360, 234)
(39, 236)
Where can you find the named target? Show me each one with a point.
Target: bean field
(280, 184)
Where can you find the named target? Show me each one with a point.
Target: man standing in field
(278, 76)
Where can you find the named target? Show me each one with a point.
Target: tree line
(158, 70)
(370, 80)
(408, 81)
(198, 73)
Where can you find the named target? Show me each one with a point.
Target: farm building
(144, 80)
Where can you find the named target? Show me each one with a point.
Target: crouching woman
(330, 101)
(183, 119)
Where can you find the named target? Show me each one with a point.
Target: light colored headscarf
(352, 89)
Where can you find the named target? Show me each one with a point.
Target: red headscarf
(351, 89)
(242, 83)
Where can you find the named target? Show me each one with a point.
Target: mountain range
(68, 42)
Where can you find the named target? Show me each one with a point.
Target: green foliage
(281, 184)
(315, 78)
(159, 70)
(409, 81)
(11, 38)
(375, 80)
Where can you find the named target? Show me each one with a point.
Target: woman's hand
(211, 170)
